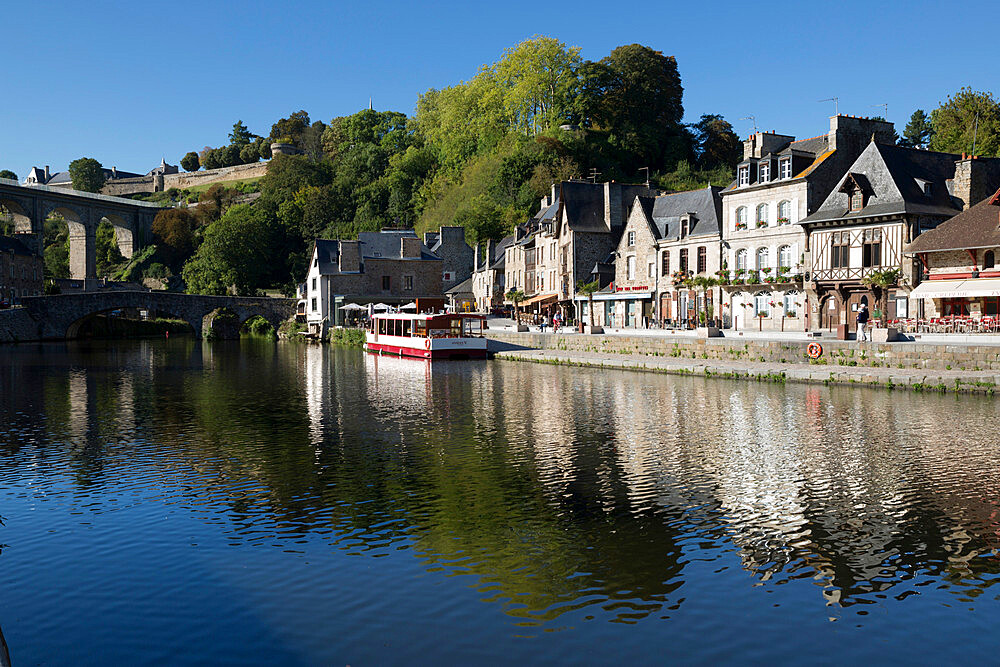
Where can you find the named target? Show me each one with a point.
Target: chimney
(491, 251)
(114, 172)
(555, 193)
(409, 247)
(350, 257)
(545, 203)
(47, 176)
(975, 180)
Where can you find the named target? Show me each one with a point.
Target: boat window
(420, 328)
(406, 327)
(472, 327)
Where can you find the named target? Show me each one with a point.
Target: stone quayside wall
(839, 353)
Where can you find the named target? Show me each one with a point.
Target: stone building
(488, 274)
(666, 239)
(587, 227)
(62, 179)
(456, 255)
(886, 200)
(21, 270)
(526, 262)
(779, 182)
(392, 266)
(958, 262)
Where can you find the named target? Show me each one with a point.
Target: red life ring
(814, 350)
(427, 344)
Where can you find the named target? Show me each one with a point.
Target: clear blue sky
(127, 83)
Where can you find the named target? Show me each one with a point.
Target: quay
(938, 366)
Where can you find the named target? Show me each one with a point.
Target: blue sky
(127, 83)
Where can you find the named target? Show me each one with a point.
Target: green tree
(249, 154)
(880, 282)
(234, 255)
(87, 174)
(483, 220)
(969, 122)
(7, 173)
(516, 296)
(174, 230)
(918, 131)
(588, 289)
(240, 136)
(190, 162)
(291, 128)
(717, 144)
(210, 158)
(109, 256)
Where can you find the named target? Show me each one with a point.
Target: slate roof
(975, 227)
(64, 177)
(704, 204)
(11, 244)
(891, 173)
(501, 247)
(383, 244)
(372, 245)
(464, 287)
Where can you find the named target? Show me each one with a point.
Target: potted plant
(753, 278)
(761, 223)
(765, 274)
(740, 226)
(783, 221)
(588, 289)
(738, 276)
(879, 282)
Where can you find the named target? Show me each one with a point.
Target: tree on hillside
(534, 78)
(234, 256)
(174, 232)
(87, 174)
(7, 173)
(717, 144)
(918, 131)
(286, 174)
(969, 122)
(190, 162)
(483, 220)
(240, 136)
(290, 129)
(634, 94)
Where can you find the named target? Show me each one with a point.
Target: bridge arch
(125, 233)
(74, 328)
(82, 240)
(23, 223)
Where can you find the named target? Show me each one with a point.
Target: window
(785, 167)
(316, 261)
(685, 227)
(762, 259)
(741, 259)
(665, 269)
(684, 261)
(902, 306)
(762, 305)
(744, 176)
(784, 212)
(764, 172)
(385, 282)
(314, 285)
(988, 259)
(630, 267)
(741, 217)
(785, 256)
(702, 259)
(762, 215)
(789, 304)
(408, 283)
(871, 249)
(839, 246)
(631, 238)
(857, 200)
(651, 270)
(314, 304)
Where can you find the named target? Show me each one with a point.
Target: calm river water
(266, 503)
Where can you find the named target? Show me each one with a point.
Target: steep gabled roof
(14, 245)
(386, 244)
(584, 205)
(976, 227)
(328, 252)
(703, 204)
(464, 287)
(891, 178)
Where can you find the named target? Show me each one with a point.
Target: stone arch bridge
(31, 205)
(60, 316)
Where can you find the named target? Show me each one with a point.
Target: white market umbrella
(380, 306)
(410, 306)
(353, 306)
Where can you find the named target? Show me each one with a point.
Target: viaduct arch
(31, 205)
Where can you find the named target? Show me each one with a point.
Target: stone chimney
(555, 193)
(491, 253)
(759, 144)
(409, 247)
(47, 175)
(475, 258)
(853, 133)
(975, 179)
(350, 257)
(114, 172)
(545, 203)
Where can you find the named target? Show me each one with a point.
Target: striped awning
(953, 289)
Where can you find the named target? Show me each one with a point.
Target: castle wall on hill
(159, 183)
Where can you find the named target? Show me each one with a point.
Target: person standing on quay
(863, 323)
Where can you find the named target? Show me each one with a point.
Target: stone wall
(16, 325)
(838, 353)
(128, 186)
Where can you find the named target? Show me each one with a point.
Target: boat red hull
(421, 353)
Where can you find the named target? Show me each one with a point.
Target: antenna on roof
(752, 119)
(975, 132)
(594, 174)
(646, 169)
(885, 110)
(836, 104)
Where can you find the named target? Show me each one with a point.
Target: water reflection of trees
(558, 489)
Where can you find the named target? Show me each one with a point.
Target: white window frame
(786, 251)
(789, 299)
(785, 211)
(765, 253)
(741, 216)
(764, 172)
(785, 168)
(761, 304)
(630, 267)
(631, 239)
(744, 175)
(742, 255)
(762, 213)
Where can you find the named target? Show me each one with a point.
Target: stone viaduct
(30, 205)
(60, 316)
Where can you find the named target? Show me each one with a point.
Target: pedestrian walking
(863, 323)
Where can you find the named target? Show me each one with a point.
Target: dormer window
(685, 226)
(764, 172)
(785, 167)
(631, 238)
(744, 176)
(857, 201)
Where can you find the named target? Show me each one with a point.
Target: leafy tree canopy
(87, 174)
(190, 162)
(7, 173)
(969, 122)
(919, 131)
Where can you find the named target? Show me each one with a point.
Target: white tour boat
(442, 336)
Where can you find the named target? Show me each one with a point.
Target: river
(269, 503)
